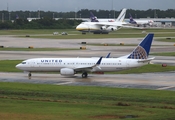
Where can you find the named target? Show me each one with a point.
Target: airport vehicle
(71, 66)
(102, 27)
(64, 33)
(139, 22)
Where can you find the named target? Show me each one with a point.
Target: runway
(155, 81)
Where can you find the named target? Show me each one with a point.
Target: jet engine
(150, 22)
(112, 28)
(67, 72)
(103, 28)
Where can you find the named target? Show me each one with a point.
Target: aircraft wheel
(29, 75)
(84, 75)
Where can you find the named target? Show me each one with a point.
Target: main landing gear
(29, 75)
(84, 75)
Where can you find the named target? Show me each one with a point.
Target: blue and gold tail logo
(143, 49)
(138, 53)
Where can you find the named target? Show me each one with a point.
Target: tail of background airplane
(122, 15)
(93, 18)
(143, 49)
(131, 20)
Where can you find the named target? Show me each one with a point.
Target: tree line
(43, 23)
(18, 19)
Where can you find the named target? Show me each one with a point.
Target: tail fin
(131, 20)
(93, 18)
(143, 49)
(122, 15)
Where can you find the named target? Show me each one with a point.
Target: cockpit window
(23, 62)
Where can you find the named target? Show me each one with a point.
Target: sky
(76, 5)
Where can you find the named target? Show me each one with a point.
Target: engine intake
(67, 72)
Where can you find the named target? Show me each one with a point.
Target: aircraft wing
(109, 24)
(117, 24)
(89, 67)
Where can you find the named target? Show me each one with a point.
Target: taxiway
(158, 81)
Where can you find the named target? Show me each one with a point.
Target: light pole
(9, 16)
(53, 15)
(109, 15)
(2, 17)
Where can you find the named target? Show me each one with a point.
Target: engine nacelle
(112, 28)
(150, 22)
(67, 72)
(103, 28)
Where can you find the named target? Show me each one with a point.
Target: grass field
(35, 49)
(164, 54)
(167, 39)
(73, 34)
(19, 101)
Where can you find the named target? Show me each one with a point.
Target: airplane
(102, 27)
(94, 19)
(140, 22)
(71, 66)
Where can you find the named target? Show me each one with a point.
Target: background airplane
(71, 66)
(102, 27)
(138, 22)
(93, 18)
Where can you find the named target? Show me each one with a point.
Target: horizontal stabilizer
(146, 60)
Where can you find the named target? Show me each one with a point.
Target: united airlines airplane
(71, 66)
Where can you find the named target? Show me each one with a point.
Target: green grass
(44, 102)
(73, 31)
(35, 31)
(101, 36)
(9, 66)
(168, 39)
(73, 34)
(164, 54)
(35, 49)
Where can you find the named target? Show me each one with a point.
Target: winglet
(143, 49)
(108, 55)
(99, 61)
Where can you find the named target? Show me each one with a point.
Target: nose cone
(19, 66)
(82, 27)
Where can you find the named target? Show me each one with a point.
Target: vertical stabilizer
(93, 18)
(121, 17)
(143, 49)
(131, 20)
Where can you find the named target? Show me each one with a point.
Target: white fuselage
(144, 22)
(99, 26)
(77, 64)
